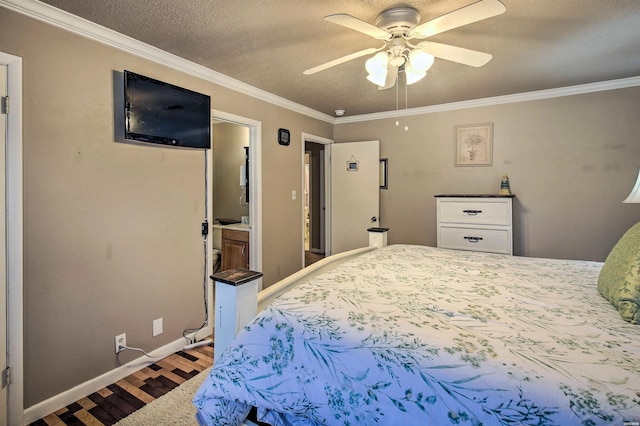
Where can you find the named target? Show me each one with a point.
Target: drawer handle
(472, 212)
(473, 239)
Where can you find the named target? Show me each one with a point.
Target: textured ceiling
(536, 45)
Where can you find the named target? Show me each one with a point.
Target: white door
(355, 193)
(3, 245)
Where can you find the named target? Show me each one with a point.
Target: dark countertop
(236, 277)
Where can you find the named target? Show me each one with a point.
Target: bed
(417, 335)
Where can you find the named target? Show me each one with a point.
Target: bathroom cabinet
(235, 249)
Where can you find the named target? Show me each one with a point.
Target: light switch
(293, 195)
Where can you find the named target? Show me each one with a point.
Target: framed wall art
(473, 145)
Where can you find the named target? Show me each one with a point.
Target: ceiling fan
(397, 27)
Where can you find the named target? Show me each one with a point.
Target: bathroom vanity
(233, 243)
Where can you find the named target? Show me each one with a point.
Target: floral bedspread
(416, 335)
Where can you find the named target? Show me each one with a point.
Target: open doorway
(313, 203)
(253, 195)
(229, 192)
(307, 218)
(315, 184)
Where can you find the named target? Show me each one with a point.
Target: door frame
(15, 227)
(255, 191)
(307, 137)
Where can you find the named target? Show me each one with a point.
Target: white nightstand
(477, 222)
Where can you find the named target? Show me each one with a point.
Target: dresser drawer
(491, 212)
(476, 239)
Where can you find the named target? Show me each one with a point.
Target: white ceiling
(536, 45)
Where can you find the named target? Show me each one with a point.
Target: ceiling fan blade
(456, 54)
(340, 60)
(392, 76)
(475, 12)
(358, 25)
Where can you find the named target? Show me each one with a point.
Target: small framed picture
(473, 145)
(353, 165)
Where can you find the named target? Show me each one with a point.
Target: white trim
(209, 242)
(63, 399)
(15, 272)
(316, 139)
(255, 186)
(80, 26)
(306, 137)
(303, 197)
(498, 100)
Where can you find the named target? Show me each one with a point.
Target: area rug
(173, 408)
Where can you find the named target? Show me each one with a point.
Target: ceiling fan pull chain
(397, 118)
(406, 102)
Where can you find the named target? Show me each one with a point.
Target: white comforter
(417, 335)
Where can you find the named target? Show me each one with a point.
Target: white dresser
(475, 222)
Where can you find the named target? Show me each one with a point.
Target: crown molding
(61, 19)
(80, 26)
(498, 100)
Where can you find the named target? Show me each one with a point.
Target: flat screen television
(161, 113)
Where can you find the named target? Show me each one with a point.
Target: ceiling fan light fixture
(397, 26)
(397, 61)
(413, 75)
(421, 60)
(377, 64)
(378, 79)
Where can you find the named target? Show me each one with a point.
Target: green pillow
(619, 280)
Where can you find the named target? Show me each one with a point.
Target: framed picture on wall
(384, 178)
(473, 145)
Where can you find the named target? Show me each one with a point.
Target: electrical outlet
(157, 327)
(121, 342)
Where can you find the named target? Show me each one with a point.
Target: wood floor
(311, 257)
(111, 404)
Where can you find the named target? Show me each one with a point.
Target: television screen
(161, 113)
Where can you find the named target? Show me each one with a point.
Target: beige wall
(570, 160)
(112, 237)
(112, 230)
(229, 141)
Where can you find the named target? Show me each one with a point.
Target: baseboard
(70, 396)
